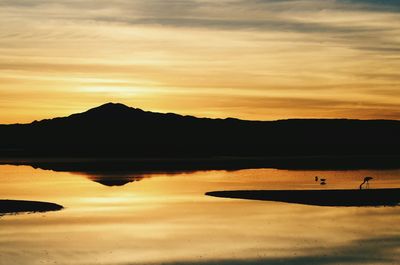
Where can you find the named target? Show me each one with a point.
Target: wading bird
(366, 182)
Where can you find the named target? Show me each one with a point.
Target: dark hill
(115, 130)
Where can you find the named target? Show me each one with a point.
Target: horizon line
(197, 117)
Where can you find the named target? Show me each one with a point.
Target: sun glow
(287, 59)
(125, 91)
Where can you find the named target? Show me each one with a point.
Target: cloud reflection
(381, 250)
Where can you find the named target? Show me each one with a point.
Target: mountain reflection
(119, 172)
(113, 179)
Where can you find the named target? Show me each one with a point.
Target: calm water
(166, 219)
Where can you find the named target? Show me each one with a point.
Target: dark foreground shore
(19, 206)
(368, 197)
(92, 164)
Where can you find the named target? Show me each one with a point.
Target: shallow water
(165, 218)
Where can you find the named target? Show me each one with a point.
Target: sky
(250, 59)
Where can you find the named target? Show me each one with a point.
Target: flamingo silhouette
(366, 182)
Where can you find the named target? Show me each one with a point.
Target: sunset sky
(251, 59)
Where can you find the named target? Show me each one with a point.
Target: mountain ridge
(118, 108)
(116, 130)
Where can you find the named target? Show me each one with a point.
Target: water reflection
(114, 179)
(381, 250)
(165, 218)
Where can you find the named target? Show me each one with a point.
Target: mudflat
(345, 197)
(20, 206)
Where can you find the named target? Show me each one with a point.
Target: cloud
(319, 49)
(382, 5)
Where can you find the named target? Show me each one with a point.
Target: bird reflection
(323, 181)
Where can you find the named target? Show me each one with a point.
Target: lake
(165, 218)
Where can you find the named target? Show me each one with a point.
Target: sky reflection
(166, 219)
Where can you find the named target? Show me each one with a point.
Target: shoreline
(24, 206)
(333, 198)
(208, 163)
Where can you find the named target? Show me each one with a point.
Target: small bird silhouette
(366, 182)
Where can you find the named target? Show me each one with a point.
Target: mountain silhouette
(115, 130)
